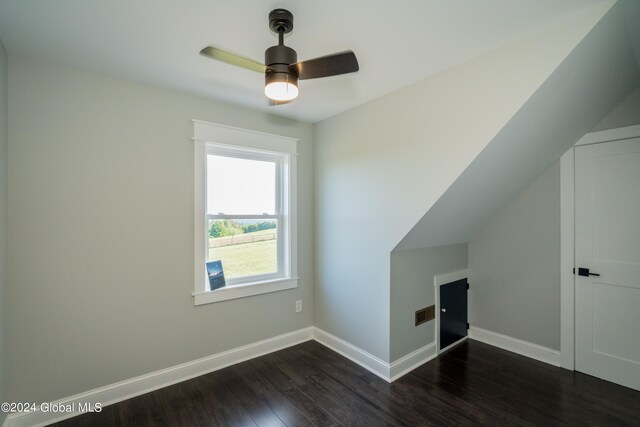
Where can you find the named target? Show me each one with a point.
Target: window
(244, 213)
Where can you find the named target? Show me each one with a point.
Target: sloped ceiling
(599, 73)
(157, 41)
(379, 167)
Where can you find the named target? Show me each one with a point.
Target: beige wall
(514, 266)
(101, 233)
(3, 218)
(412, 273)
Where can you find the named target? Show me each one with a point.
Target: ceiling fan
(281, 68)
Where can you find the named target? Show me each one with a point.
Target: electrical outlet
(298, 306)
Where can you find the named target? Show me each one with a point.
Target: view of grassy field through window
(246, 254)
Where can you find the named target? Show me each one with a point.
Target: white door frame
(438, 281)
(567, 237)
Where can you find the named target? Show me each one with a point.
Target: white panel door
(607, 189)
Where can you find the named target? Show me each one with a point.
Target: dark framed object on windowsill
(216, 275)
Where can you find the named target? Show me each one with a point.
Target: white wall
(381, 166)
(100, 269)
(627, 113)
(514, 266)
(412, 274)
(3, 218)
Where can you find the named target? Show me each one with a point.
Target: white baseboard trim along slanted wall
(137, 386)
(524, 348)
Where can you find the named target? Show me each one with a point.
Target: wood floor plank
(310, 385)
(274, 380)
(329, 396)
(368, 387)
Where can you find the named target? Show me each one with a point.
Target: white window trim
(205, 134)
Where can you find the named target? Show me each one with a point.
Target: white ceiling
(157, 41)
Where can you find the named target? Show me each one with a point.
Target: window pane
(240, 186)
(246, 247)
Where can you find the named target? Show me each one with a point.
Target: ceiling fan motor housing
(280, 54)
(278, 59)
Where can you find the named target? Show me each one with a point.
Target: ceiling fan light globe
(281, 91)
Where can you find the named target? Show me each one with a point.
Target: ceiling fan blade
(325, 66)
(233, 59)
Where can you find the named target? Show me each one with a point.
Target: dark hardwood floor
(307, 385)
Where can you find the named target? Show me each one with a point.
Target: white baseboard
(387, 371)
(146, 383)
(450, 346)
(133, 387)
(355, 354)
(411, 361)
(524, 348)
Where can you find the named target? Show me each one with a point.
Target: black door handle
(585, 272)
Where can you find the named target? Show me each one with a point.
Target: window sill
(244, 290)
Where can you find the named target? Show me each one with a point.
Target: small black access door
(453, 312)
